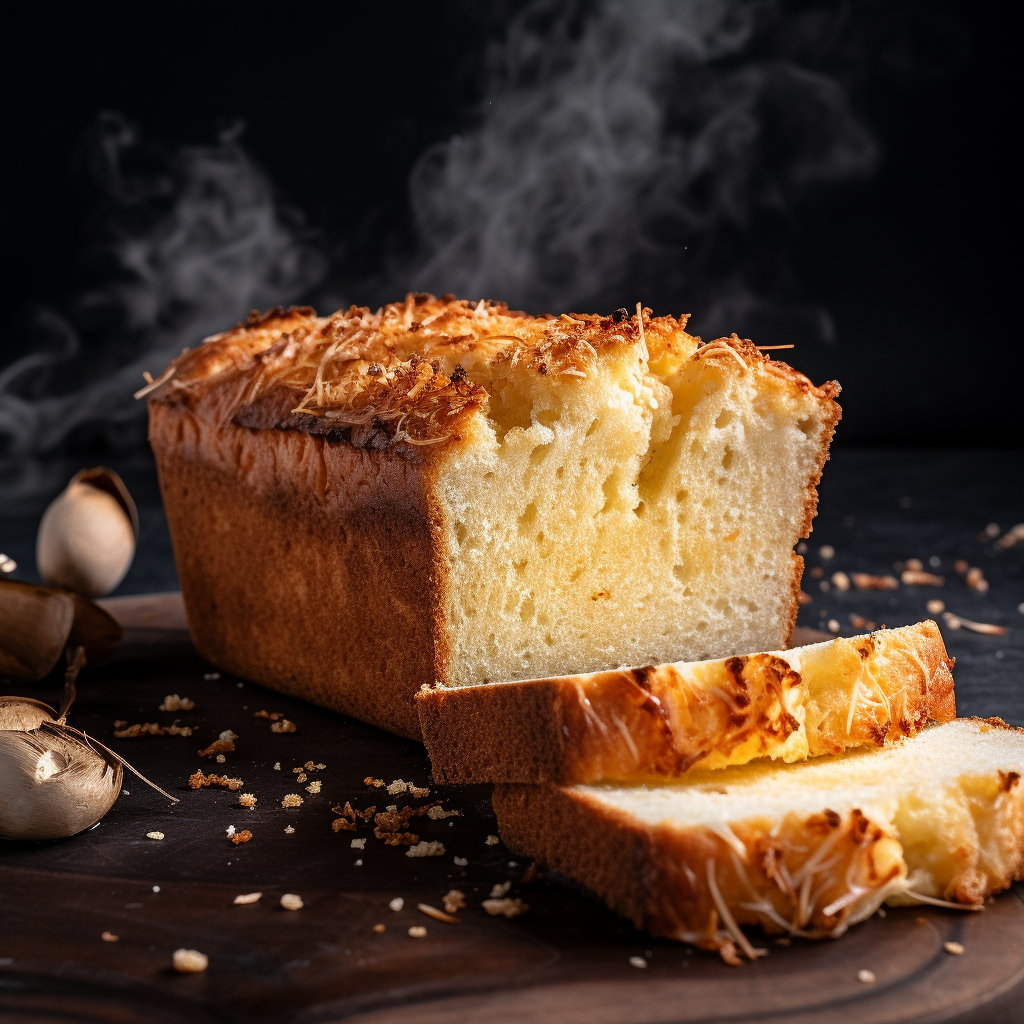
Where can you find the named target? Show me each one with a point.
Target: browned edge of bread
(615, 724)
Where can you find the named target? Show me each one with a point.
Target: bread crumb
(461, 862)
(154, 835)
(110, 937)
(319, 767)
(277, 766)
(251, 897)
(220, 759)
(241, 837)
(172, 702)
(637, 961)
(218, 746)
(371, 781)
(398, 786)
(827, 552)
(190, 961)
(288, 831)
(419, 792)
(833, 625)
(437, 915)
(425, 849)
(500, 890)
(867, 977)
(397, 903)
(313, 787)
(378, 928)
(283, 726)
(783, 940)
(124, 731)
(272, 715)
(507, 907)
(840, 581)
(358, 844)
(417, 931)
(437, 813)
(492, 840)
(211, 677)
(953, 947)
(291, 902)
(198, 780)
(340, 825)
(865, 581)
(247, 800)
(291, 800)
(454, 900)
(359, 863)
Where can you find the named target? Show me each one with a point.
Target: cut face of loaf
(806, 849)
(632, 724)
(451, 492)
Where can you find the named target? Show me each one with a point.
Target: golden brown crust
(660, 722)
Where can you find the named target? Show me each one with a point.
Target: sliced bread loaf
(806, 849)
(648, 722)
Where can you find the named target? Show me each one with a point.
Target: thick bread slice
(807, 848)
(661, 721)
(450, 491)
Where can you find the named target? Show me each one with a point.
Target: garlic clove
(86, 540)
(34, 627)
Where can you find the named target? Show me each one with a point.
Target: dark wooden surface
(567, 958)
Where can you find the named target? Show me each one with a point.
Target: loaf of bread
(661, 721)
(805, 849)
(446, 491)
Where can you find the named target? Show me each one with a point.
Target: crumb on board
(461, 862)
(454, 900)
(247, 800)
(866, 976)
(124, 731)
(426, 849)
(417, 931)
(277, 766)
(499, 890)
(955, 948)
(437, 915)
(341, 825)
(198, 780)
(492, 840)
(291, 902)
(272, 715)
(865, 581)
(935, 606)
(371, 781)
(172, 702)
(396, 787)
(190, 961)
(241, 837)
(397, 903)
(359, 863)
(211, 677)
(507, 907)
(247, 898)
(283, 726)
(218, 746)
(110, 937)
(358, 844)
(220, 759)
(313, 787)
(637, 961)
(291, 800)
(438, 813)
(288, 830)
(154, 835)
(378, 928)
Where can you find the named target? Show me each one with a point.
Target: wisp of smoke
(194, 247)
(624, 150)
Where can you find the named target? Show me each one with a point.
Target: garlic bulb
(86, 539)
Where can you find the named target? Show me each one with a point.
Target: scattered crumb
(817, 572)
(283, 726)
(425, 849)
(288, 830)
(840, 581)
(172, 702)
(827, 552)
(454, 900)
(975, 579)
(219, 746)
(492, 840)
(110, 937)
(313, 787)
(277, 766)
(833, 625)
(252, 897)
(865, 581)
(359, 863)
(437, 812)
(341, 825)
(371, 781)
(500, 890)
(961, 566)
(637, 961)
(397, 903)
(508, 907)
(124, 731)
(935, 606)
(230, 830)
(211, 677)
(396, 787)
(247, 800)
(154, 835)
(319, 767)
(241, 837)
(957, 622)
(953, 947)
(291, 800)
(378, 928)
(804, 598)
(1012, 536)
(417, 931)
(291, 902)
(220, 759)
(190, 961)
(198, 780)
(437, 915)
(867, 977)
(461, 862)
(272, 715)
(919, 578)
(801, 548)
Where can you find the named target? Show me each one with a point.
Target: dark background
(902, 272)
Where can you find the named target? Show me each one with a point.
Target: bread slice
(446, 491)
(632, 724)
(807, 849)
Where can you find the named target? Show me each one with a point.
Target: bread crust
(651, 723)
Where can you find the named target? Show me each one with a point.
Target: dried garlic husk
(55, 781)
(87, 536)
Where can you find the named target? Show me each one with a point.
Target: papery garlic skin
(86, 541)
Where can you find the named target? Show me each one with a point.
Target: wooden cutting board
(566, 959)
